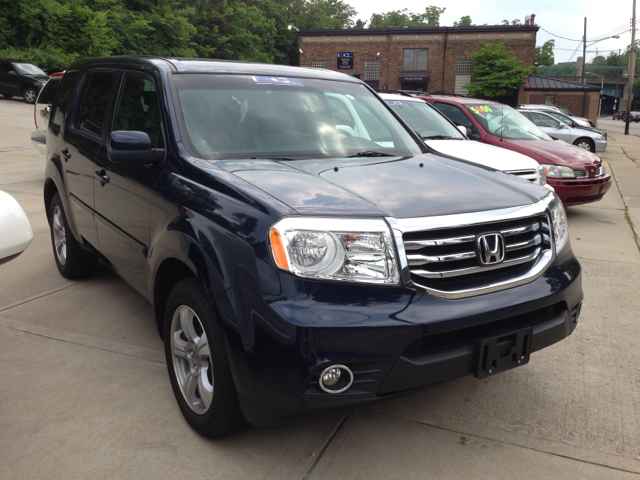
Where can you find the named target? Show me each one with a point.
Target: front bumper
(601, 145)
(580, 191)
(394, 339)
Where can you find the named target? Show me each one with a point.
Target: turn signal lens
(278, 249)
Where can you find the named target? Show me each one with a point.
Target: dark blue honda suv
(302, 248)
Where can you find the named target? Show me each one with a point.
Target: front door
(83, 138)
(551, 126)
(123, 191)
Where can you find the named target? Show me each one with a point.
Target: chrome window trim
(400, 226)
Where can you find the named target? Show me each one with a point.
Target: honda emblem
(491, 248)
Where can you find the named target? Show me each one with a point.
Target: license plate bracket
(503, 352)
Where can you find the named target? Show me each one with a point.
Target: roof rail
(398, 92)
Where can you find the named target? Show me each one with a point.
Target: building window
(371, 70)
(319, 63)
(415, 59)
(463, 76)
(549, 99)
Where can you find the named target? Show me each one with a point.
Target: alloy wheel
(30, 96)
(584, 146)
(192, 359)
(59, 235)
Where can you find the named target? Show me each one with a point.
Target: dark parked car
(620, 115)
(300, 245)
(21, 78)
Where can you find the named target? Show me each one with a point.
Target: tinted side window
(454, 114)
(5, 68)
(95, 102)
(138, 109)
(542, 120)
(67, 87)
(48, 92)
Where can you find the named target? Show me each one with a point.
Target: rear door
(84, 137)
(123, 191)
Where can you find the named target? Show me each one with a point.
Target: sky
(560, 17)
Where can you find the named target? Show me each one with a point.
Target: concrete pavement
(85, 392)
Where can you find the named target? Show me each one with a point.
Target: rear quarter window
(48, 92)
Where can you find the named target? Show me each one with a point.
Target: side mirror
(475, 136)
(13, 73)
(464, 130)
(130, 147)
(15, 229)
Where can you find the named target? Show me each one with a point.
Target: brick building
(581, 99)
(428, 59)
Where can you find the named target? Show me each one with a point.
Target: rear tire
(30, 95)
(71, 259)
(197, 362)
(586, 144)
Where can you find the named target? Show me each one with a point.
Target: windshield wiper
(441, 137)
(371, 153)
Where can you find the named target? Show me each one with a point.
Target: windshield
(560, 117)
(503, 121)
(424, 119)
(243, 116)
(28, 69)
(564, 110)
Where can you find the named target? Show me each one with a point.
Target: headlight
(558, 171)
(542, 176)
(348, 250)
(601, 137)
(559, 222)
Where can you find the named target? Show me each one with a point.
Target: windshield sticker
(290, 82)
(396, 102)
(481, 109)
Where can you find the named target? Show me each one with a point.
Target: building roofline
(550, 84)
(383, 31)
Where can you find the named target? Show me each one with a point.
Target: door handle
(102, 174)
(67, 154)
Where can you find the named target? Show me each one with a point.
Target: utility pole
(584, 51)
(584, 66)
(632, 69)
(617, 105)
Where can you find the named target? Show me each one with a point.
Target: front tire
(71, 259)
(197, 362)
(585, 144)
(30, 95)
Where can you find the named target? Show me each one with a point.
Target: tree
(464, 22)
(496, 71)
(544, 54)
(405, 18)
(513, 22)
(360, 24)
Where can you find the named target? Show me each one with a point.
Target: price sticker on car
(481, 109)
(288, 82)
(396, 102)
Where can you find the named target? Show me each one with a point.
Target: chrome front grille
(447, 260)
(580, 173)
(530, 175)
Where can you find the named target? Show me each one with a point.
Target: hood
(556, 152)
(484, 154)
(400, 187)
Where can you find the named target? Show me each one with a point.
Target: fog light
(332, 379)
(331, 376)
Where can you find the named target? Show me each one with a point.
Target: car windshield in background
(564, 110)
(503, 121)
(28, 69)
(243, 116)
(425, 120)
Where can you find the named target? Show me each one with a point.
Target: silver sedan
(584, 137)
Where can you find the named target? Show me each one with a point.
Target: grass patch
(628, 217)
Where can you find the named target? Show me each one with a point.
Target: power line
(613, 32)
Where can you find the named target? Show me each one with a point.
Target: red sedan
(576, 174)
